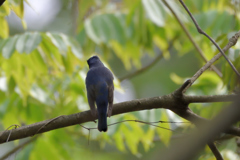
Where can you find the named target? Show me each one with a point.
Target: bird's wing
(91, 100)
(110, 99)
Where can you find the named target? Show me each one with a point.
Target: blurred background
(44, 46)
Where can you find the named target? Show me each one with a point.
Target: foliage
(42, 73)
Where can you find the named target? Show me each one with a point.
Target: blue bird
(99, 84)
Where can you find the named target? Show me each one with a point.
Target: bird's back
(99, 74)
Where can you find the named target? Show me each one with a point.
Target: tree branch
(177, 105)
(211, 98)
(215, 151)
(1, 2)
(75, 13)
(232, 41)
(202, 32)
(205, 133)
(191, 38)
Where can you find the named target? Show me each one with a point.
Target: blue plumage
(99, 84)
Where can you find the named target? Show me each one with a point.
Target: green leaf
(58, 42)
(35, 113)
(4, 9)
(3, 107)
(207, 83)
(11, 85)
(4, 31)
(148, 138)
(14, 2)
(155, 11)
(25, 152)
(164, 134)
(72, 43)
(106, 27)
(18, 7)
(32, 41)
(9, 47)
(127, 53)
(44, 149)
(27, 42)
(21, 42)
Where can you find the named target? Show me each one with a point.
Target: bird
(100, 87)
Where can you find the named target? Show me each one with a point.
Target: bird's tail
(102, 122)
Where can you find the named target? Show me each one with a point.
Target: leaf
(106, 27)
(9, 47)
(25, 152)
(40, 95)
(14, 2)
(21, 42)
(176, 79)
(119, 141)
(127, 53)
(9, 118)
(11, 85)
(207, 83)
(148, 138)
(162, 45)
(18, 7)
(58, 42)
(155, 11)
(4, 31)
(3, 107)
(44, 149)
(32, 41)
(164, 134)
(75, 47)
(4, 9)
(24, 24)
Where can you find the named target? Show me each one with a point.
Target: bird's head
(94, 61)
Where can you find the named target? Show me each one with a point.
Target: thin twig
(148, 123)
(89, 133)
(180, 90)
(191, 38)
(9, 135)
(168, 122)
(47, 124)
(15, 126)
(232, 41)
(202, 32)
(75, 13)
(215, 151)
(151, 64)
(89, 130)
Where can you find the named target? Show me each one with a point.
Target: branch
(1, 2)
(150, 65)
(202, 32)
(210, 99)
(232, 41)
(75, 13)
(205, 133)
(215, 151)
(191, 38)
(177, 105)
(138, 121)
